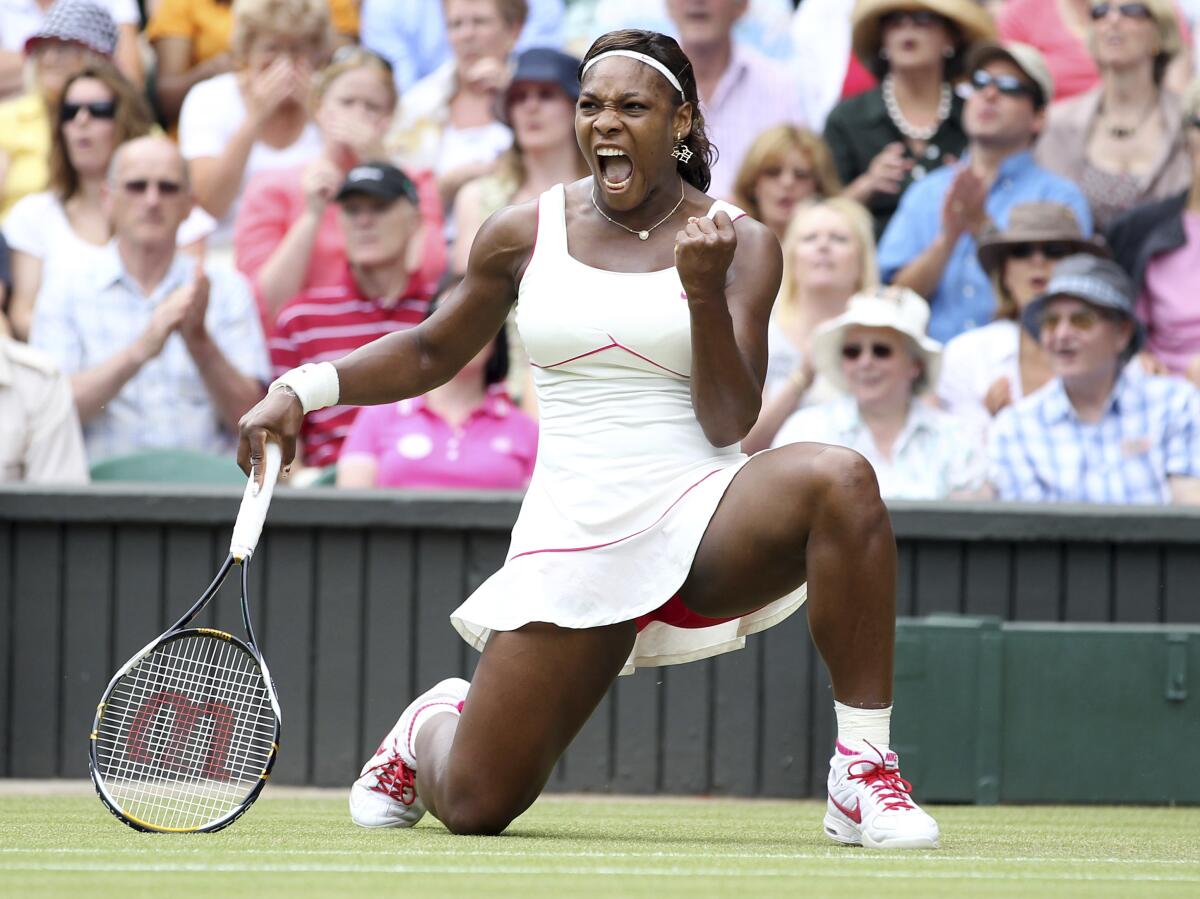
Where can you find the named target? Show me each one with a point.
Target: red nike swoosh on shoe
(855, 816)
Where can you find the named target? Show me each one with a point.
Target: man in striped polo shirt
(376, 294)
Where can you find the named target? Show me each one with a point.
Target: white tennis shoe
(871, 805)
(385, 794)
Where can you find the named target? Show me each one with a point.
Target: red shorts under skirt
(676, 614)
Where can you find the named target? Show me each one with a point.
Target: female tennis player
(646, 537)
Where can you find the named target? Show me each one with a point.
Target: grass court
(62, 842)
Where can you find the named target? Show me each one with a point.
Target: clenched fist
(703, 253)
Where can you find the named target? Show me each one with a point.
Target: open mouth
(616, 169)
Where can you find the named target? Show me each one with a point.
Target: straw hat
(973, 21)
(1036, 223)
(897, 308)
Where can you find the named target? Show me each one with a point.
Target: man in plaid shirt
(1102, 431)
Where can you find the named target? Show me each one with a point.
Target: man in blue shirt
(411, 34)
(929, 245)
(1103, 431)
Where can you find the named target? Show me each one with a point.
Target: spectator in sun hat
(376, 293)
(890, 136)
(75, 33)
(287, 234)
(994, 365)
(930, 243)
(1100, 431)
(878, 353)
(21, 20)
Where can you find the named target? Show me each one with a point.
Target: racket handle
(253, 512)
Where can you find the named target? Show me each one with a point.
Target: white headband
(640, 57)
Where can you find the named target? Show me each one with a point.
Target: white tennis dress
(625, 481)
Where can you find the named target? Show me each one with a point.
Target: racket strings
(186, 733)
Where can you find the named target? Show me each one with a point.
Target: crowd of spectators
(989, 214)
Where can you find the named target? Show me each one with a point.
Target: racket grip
(253, 512)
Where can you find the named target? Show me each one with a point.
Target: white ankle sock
(857, 727)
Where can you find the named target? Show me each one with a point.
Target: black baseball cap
(378, 179)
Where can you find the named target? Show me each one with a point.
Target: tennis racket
(187, 731)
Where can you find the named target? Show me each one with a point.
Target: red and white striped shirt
(325, 323)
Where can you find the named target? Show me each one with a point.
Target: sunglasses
(1009, 85)
(1127, 10)
(1050, 250)
(139, 186)
(104, 109)
(921, 17)
(1080, 319)
(852, 351)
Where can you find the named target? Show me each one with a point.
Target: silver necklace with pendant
(644, 234)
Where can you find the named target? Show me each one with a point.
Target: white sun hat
(897, 308)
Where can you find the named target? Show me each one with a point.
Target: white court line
(851, 855)
(492, 871)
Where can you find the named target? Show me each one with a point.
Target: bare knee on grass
(473, 807)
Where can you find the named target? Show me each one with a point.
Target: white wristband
(314, 383)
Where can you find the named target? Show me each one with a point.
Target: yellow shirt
(25, 139)
(208, 24)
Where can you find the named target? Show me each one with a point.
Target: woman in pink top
(287, 238)
(466, 435)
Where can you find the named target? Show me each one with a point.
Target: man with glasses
(930, 243)
(161, 352)
(1101, 431)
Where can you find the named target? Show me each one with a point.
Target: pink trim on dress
(615, 345)
(576, 549)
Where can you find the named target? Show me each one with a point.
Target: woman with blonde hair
(98, 111)
(256, 117)
(785, 166)
(287, 238)
(191, 40)
(1122, 141)
(828, 255)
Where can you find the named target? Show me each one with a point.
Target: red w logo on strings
(176, 751)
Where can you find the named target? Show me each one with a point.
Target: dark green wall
(354, 590)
